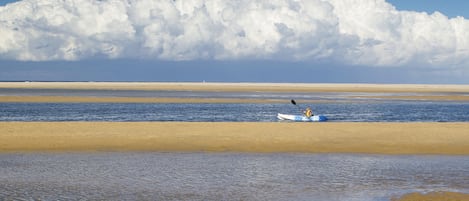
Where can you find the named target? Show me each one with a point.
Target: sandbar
(403, 91)
(101, 99)
(217, 86)
(462, 98)
(329, 137)
(434, 196)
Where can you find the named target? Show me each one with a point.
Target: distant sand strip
(463, 98)
(434, 196)
(411, 92)
(417, 92)
(266, 87)
(84, 99)
(102, 99)
(332, 137)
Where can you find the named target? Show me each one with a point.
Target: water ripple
(396, 111)
(226, 176)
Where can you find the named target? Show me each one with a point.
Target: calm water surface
(226, 176)
(342, 107)
(396, 111)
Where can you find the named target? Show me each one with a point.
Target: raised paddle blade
(293, 102)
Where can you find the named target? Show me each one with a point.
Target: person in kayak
(308, 112)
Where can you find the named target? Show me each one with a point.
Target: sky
(311, 41)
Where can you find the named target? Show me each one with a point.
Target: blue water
(226, 176)
(353, 107)
(373, 111)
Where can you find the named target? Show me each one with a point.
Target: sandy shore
(270, 87)
(83, 99)
(379, 138)
(434, 196)
(417, 92)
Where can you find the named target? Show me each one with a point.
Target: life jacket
(308, 113)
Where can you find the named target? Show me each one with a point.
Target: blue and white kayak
(301, 117)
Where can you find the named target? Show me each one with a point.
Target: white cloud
(361, 32)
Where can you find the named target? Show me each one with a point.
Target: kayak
(301, 117)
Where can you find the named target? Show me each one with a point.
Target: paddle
(294, 103)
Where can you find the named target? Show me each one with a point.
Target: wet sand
(418, 92)
(331, 137)
(268, 87)
(462, 98)
(434, 196)
(82, 99)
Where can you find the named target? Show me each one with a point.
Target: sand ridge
(331, 137)
(83, 99)
(433, 196)
(411, 92)
(214, 86)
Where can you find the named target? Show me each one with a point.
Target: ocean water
(382, 111)
(361, 107)
(349, 107)
(226, 176)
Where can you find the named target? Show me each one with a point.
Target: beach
(433, 196)
(382, 138)
(402, 91)
(216, 86)
(261, 137)
(331, 137)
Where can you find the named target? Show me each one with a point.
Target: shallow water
(226, 176)
(392, 111)
(342, 107)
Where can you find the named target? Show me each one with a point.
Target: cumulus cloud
(360, 32)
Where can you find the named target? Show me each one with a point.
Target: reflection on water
(226, 176)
